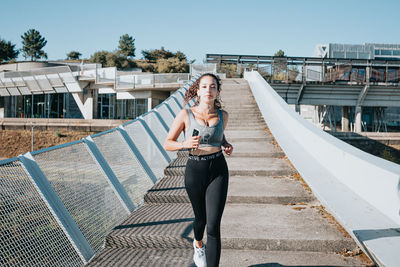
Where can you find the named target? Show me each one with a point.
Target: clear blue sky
(199, 27)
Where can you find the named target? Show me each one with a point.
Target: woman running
(206, 174)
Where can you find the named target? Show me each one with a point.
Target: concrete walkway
(271, 219)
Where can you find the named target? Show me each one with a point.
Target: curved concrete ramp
(270, 219)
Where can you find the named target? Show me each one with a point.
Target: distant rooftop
(358, 51)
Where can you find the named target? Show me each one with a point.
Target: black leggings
(206, 182)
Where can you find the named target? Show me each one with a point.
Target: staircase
(271, 218)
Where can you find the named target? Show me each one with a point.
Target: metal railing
(58, 204)
(311, 69)
(133, 81)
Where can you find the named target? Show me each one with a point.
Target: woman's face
(208, 91)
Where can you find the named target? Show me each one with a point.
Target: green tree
(155, 54)
(280, 53)
(112, 59)
(127, 45)
(99, 57)
(32, 44)
(74, 55)
(181, 56)
(7, 51)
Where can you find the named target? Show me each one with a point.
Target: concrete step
(258, 134)
(239, 120)
(255, 147)
(229, 257)
(162, 226)
(265, 154)
(244, 127)
(244, 226)
(247, 113)
(280, 228)
(266, 170)
(258, 166)
(238, 100)
(245, 117)
(242, 189)
(237, 109)
(245, 122)
(257, 258)
(143, 257)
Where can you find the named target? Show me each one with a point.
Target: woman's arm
(228, 148)
(176, 128)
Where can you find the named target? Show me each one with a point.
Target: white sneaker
(199, 255)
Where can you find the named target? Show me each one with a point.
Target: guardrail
(360, 190)
(58, 204)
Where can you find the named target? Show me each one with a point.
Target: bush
(112, 59)
(172, 65)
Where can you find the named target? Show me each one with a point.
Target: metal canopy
(39, 81)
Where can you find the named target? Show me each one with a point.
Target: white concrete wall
(359, 189)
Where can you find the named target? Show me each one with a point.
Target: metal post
(386, 73)
(57, 208)
(170, 110)
(166, 128)
(137, 153)
(237, 67)
(357, 121)
(112, 178)
(345, 118)
(96, 75)
(32, 126)
(177, 102)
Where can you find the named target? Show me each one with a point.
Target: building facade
(388, 116)
(358, 51)
(87, 91)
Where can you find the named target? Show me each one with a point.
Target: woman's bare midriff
(205, 150)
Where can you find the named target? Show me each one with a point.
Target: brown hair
(192, 91)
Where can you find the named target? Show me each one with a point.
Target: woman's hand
(228, 148)
(192, 142)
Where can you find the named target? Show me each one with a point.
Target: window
(377, 52)
(351, 54)
(337, 54)
(386, 52)
(396, 52)
(363, 55)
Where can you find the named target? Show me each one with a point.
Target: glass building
(64, 106)
(358, 51)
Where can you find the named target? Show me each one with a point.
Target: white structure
(359, 189)
(98, 92)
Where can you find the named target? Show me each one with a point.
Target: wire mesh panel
(29, 234)
(180, 98)
(151, 154)
(173, 105)
(124, 164)
(84, 190)
(158, 129)
(165, 114)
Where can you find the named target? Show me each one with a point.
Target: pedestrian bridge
(117, 198)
